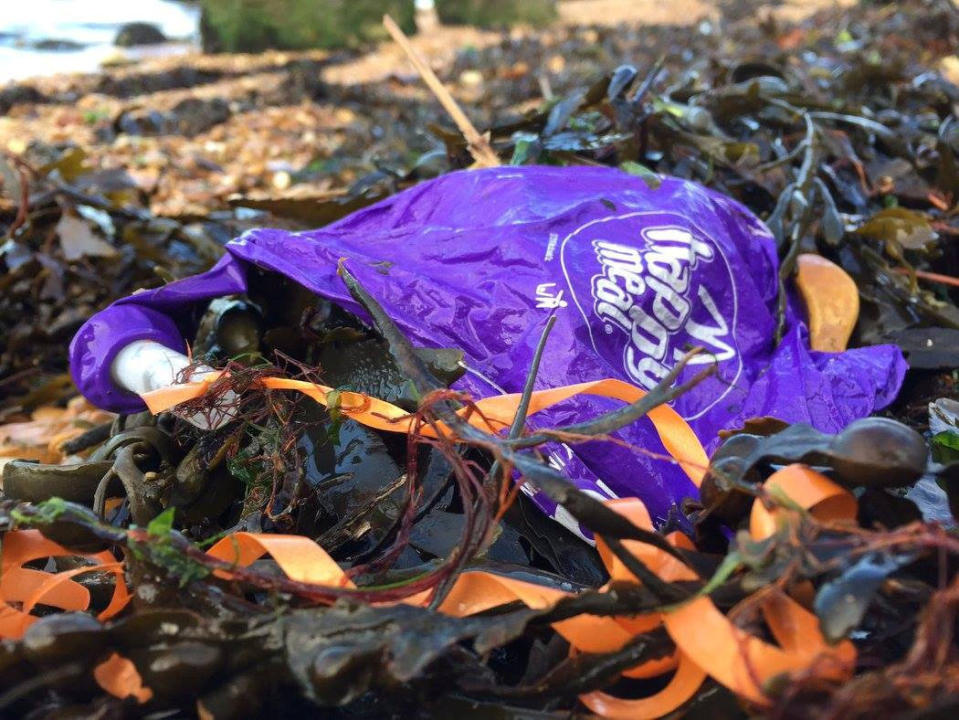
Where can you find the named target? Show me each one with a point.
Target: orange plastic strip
(48, 593)
(30, 587)
(299, 557)
(23, 546)
(660, 562)
(19, 583)
(674, 432)
(810, 490)
(119, 677)
(683, 685)
(708, 643)
(742, 662)
(791, 627)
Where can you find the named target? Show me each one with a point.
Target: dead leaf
(78, 240)
(901, 228)
(949, 67)
(40, 437)
(832, 302)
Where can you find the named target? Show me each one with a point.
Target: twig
(478, 145)
(802, 186)
(23, 208)
(18, 376)
(40, 681)
(519, 422)
(648, 81)
(581, 673)
(520, 419)
(333, 538)
(614, 420)
(930, 276)
(402, 352)
(664, 590)
(91, 437)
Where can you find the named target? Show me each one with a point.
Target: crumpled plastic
(635, 272)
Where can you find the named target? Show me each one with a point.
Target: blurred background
(53, 36)
(45, 37)
(42, 37)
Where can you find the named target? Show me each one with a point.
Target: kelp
(297, 560)
(799, 532)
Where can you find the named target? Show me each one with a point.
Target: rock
(139, 33)
(282, 180)
(196, 115)
(188, 117)
(56, 45)
(471, 78)
(116, 58)
(19, 95)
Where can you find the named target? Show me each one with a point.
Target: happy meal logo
(658, 290)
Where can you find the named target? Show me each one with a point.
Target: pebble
(282, 180)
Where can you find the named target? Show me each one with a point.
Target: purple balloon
(635, 275)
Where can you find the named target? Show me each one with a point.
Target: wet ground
(840, 130)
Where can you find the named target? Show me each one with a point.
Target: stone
(139, 33)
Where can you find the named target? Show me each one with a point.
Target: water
(91, 24)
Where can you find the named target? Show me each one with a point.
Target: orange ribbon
(674, 432)
(707, 642)
(28, 587)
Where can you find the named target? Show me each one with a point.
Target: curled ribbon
(707, 642)
(499, 410)
(27, 588)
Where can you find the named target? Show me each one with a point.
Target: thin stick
(478, 145)
(519, 422)
(931, 276)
